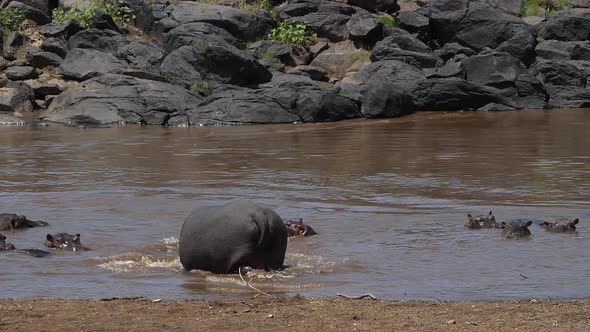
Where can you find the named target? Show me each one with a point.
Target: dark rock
(55, 45)
(273, 64)
(82, 64)
(493, 107)
(215, 62)
(20, 73)
(40, 59)
(315, 105)
(246, 106)
(405, 76)
(240, 23)
(450, 69)
(454, 94)
(565, 96)
(520, 46)
(354, 92)
(315, 73)
(386, 100)
(449, 50)
(567, 26)
(376, 5)
(116, 98)
(294, 82)
(340, 58)
(318, 48)
(43, 89)
(138, 54)
(61, 29)
(194, 33)
(475, 24)
(328, 19)
(512, 7)
(563, 50)
(507, 74)
(561, 72)
(16, 98)
(265, 49)
(364, 28)
(495, 69)
(13, 41)
(405, 40)
(414, 23)
(31, 10)
(401, 45)
(104, 21)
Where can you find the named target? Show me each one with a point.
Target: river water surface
(388, 197)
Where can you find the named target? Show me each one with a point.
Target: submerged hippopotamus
(11, 221)
(64, 241)
(298, 228)
(225, 238)
(482, 221)
(561, 225)
(516, 229)
(9, 246)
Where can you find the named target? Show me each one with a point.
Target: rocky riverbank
(211, 62)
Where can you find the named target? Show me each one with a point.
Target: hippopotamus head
(481, 221)
(298, 228)
(4, 245)
(516, 229)
(64, 241)
(561, 225)
(13, 221)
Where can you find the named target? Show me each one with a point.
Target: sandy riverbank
(292, 313)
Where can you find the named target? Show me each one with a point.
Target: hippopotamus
(561, 225)
(516, 229)
(298, 228)
(11, 221)
(482, 221)
(64, 241)
(235, 235)
(9, 246)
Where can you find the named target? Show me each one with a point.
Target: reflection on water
(388, 197)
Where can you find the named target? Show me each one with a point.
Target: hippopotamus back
(223, 238)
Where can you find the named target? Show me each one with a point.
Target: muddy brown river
(388, 197)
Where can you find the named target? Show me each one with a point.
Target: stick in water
(371, 296)
(248, 284)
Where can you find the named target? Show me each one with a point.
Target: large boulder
(405, 76)
(82, 64)
(290, 99)
(16, 98)
(116, 98)
(339, 59)
(563, 50)
(386, 100)
(567, 26)
(213, 62)
(35, 10)
(242, 24)
(401, 45)
(195, 32)
(476, 24)
(61, 29)
(20, 73)
(328, 19)
(455, 94)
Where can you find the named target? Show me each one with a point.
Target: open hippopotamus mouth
(298, 228)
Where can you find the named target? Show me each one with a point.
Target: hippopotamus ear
(470, 217)
(490, 214)
(576, 221)
(77, 238)
(528, 223)
(49, 237)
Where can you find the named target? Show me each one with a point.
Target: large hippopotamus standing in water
(223, 238)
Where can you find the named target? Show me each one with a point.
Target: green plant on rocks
(292, 33)
(204, 88)
(115, 8)
(386, 19)
(10, 18)
(551, 7)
